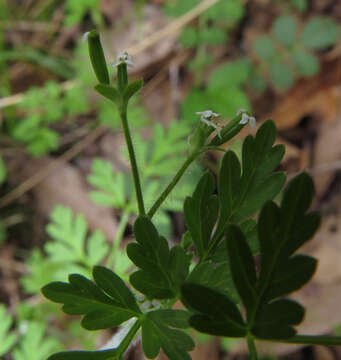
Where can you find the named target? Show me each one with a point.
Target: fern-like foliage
(72, 250)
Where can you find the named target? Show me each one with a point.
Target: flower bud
(97, 57)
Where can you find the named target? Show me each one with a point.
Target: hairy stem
(132, 158)
(172, 184)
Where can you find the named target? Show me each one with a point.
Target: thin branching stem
(132, 158)
(172, 184)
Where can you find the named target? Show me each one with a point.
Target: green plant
(225, 97)
(212, 271)
(212, 29)
(7, 340)
(288, 52)
(33, 343)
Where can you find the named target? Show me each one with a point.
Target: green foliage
(7, 340)
(223, 92)
(70, 251)
(282, 230)
(320, 32)
(158, 160)
(287, 54)
(75, 11)
(239, 194)
(34, 344)
(162, 271)
(108, 302)
(34, 128)
(222, 232)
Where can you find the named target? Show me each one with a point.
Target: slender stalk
(172, 184)
(133, 163)
(119, 235)
(252, 347)
(311, 340)
(128, 338)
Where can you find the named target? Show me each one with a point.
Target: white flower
(207, 116)
(246, 119)
(239, 111)
(124, 58)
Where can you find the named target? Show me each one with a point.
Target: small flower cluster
(124, 58)
(246, 118)
(207, 116)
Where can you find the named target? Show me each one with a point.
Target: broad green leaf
(264, 47)
(109, 92)
(213, 306)
(212, 36)
(156, 333)
(176, 8)
(228, 11)
(215, 275)
(258, 183)
(291, 275)
(275, 320)
(162, 271)
(306, 63)
(234, 73)
(242, 266)
(178, 265)
(115, 287)
(229, 183)
(189, 37)
(285, 28)
(281, 75)
(86, 355)
(83, 297)
(320, 32)
(217, 326)
(201, 212)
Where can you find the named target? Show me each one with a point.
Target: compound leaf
(242, 265)
(162, 271)
(218, 315)
(103, 308)
(158, 332)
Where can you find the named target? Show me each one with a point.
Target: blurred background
(66, 196)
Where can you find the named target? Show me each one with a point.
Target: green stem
(252, 347)
(119, 235)
(133, 163)
(310, 340)
(129, 337)
(172, 184)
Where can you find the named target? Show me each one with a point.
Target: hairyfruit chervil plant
(212, 271)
